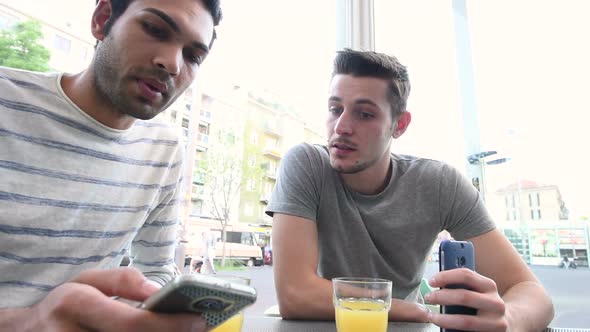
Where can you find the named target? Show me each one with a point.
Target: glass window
(62, 44)
(529, 69)
(248, 210)
(420, 34)
(7, 20)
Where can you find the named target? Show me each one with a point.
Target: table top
(257, 323)
(274, 324)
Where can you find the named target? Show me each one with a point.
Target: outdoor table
(257, 323)
(276, 324)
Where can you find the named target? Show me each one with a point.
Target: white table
(274, 324)
(256, 323)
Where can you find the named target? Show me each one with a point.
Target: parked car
(267, 255)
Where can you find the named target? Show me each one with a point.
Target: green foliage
(230, 265)
(224, 175)
(20, 47)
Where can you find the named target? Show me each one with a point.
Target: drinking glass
(361, 304)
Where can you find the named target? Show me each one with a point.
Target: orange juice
(233, 324)
(359, 315)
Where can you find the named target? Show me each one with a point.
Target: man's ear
(102, 13)
(403, 121)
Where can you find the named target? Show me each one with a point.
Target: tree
(20, 47)
(225, 173)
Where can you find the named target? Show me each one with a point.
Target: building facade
(67, 37)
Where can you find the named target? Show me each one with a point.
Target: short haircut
(377, 65)
(119, 7)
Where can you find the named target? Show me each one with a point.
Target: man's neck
(372, 180)
(81, 89)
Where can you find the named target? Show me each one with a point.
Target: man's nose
(169, 59)
(343, 125)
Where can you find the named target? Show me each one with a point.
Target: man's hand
(85, 304)
(483, 296)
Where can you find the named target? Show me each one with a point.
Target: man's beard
(111, 86)
(353, 169)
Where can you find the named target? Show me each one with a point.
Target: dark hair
(377, 65)
(119, 7)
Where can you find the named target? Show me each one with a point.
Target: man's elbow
(291, 305)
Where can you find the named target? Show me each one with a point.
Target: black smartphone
(215, 299)
(454, 255)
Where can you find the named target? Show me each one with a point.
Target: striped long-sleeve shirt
(75, 194)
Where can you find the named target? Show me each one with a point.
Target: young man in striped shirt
(87, 180)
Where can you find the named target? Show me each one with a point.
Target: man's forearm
(307, 302)
(528, 307)
(316, 303)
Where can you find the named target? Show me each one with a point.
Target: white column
(355, 25)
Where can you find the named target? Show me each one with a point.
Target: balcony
(202, 142)
(264, 198)
(271, 174)
(272, 153)
(197, 193)
(272, 131)
(198, 178)
(205, 117)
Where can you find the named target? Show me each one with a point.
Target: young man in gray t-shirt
(352, 208)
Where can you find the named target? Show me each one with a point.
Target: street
(569, 289)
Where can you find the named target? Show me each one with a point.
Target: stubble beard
(357, 168)
(111, 87)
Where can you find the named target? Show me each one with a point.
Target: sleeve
(297, 191)
(463, 212)
(153, 248)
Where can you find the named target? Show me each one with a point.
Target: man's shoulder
(424, 166)
(25, 79)
(313, 151)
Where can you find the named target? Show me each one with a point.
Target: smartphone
(454, 255)
(214, 298)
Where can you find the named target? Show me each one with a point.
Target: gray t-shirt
(388, 235)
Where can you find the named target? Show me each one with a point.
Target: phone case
(454, 255)
(215, 299)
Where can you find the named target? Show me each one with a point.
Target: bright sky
(531, 75)
(530, 62)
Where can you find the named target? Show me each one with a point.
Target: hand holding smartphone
(215, 299)
(454, 255)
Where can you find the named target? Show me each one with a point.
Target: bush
(230, 265)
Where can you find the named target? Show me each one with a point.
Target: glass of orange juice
(361, 304)
(233, 324)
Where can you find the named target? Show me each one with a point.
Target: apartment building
(529, 201)
(251, 130)
(67, 37)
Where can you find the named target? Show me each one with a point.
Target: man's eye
(193, 57)
(335, 110)
(154, 30)
(366, 116)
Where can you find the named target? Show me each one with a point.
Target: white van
(240, 245)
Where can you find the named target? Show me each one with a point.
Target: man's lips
(342, 146)
(341, 150)
(154, 84)
(151, 89)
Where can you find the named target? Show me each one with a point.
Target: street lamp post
(479, 159)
